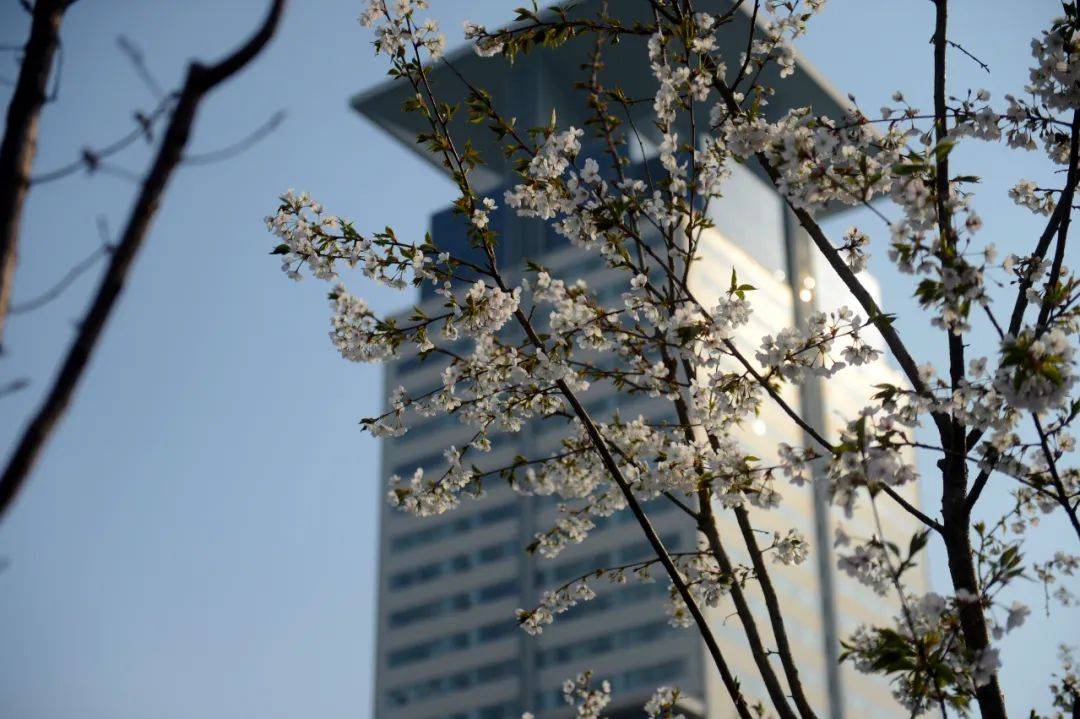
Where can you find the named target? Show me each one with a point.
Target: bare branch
(73, 274)
(138, 61)
(1060, 493)
(239, 147)
(1056, 219)
(14, 386)
(91, 159)
(955, 518)
(20, 136)
(707, 526)
(962, 49)
(201, 79)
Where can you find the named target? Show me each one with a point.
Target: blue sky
(200, 537)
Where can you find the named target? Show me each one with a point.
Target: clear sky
(200, 537)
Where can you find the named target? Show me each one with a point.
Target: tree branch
(875, 314)
(776, 616)
(707, 526)
(20, 137)
(138, 61)
(91, 159)
(240, 146)
(201, 79)
(73, 274)
(955, 518)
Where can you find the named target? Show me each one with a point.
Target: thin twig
(20, 136)
(138, 61)
(90, 159)
(201, 79)
(103, 250)
(14, 386)
(962, 49)
(239, 147)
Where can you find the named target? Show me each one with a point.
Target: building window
(452, 565)
(446, 684)
(622, 639)
(461, 525)
(453, 603)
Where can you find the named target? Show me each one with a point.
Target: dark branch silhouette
(14, 386)
(138, 61)
(106, 247)
(239, 147)
(200, 80)
(962, 49)
(91, 159)
(20, 135)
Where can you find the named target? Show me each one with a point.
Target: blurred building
(448, 644)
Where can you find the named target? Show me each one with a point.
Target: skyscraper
(448, 645)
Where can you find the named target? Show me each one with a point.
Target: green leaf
(907, 169)
(918, 541)
(943, 148)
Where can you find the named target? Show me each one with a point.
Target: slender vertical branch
(776, 615)
(707, 526)
(20, 136)
(955, 515)
(1057, 217)
(201, 79)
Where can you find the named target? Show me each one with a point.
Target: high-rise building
(448, 644)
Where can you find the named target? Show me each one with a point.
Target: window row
(502, 710)
(450, 643)
(497, 671)
(460, 525)
(456, 682)
(578, 650)
(453, 565)
(454, 603)
(608, 600)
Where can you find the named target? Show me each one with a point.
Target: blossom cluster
(395, 29)
(528, 347)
